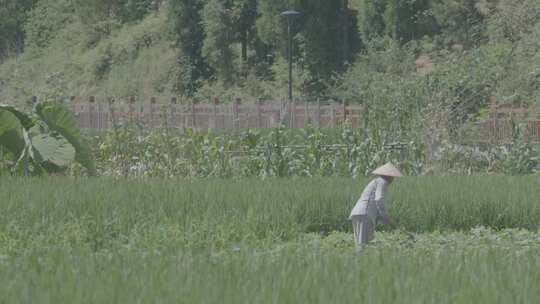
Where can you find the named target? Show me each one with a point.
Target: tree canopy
(204, 48)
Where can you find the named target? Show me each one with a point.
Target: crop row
(481, 266)
(344, 152)
(104, 240)
(213, 213)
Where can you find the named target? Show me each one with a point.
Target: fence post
(73, 107)
(71, 104)
(236, 117)
(111, 114)
(214, 123)
(365, 117)
(172, 112)
(537, 127)
(91, 108)
(293, 114)
(131, 108)
(186, 112)
(99, 116)
(306, 113)
(332, 114)
(183, 112)
(344, 111)
(193, 120)
(318, 113)
(259, 113)
(171, 122)
(284, 110)
(494, 130)
(152, 110)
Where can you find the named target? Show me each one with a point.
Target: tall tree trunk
(244, 46)
(345, 20)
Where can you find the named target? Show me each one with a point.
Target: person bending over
(370, 206)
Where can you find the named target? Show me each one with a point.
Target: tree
(44, 22)
(13, 14)
(229, 24)
(121, 11)
(133, 10)
(188, 34)
(460, 21)
(329, 39)
(370, 17)
(403, 20)
(269, 23)
(244, 18)
(219, 35)
(326, 37)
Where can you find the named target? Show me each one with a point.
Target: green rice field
(267, 241)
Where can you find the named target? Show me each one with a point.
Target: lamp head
(290, 13)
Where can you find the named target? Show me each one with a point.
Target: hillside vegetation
(463, 53)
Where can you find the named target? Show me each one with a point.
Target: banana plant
(45, 141)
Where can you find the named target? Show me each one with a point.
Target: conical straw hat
(387, 170)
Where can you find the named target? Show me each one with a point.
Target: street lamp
(290, 15)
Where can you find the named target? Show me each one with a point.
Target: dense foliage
(246, 241)
(222, 210)
(482, 266)
(459, 54)
(130, 150)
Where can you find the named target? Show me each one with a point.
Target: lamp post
(290, 15)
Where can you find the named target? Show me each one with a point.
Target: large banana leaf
(54, 153)
(60, 119)
(24, 119)
(11, 136)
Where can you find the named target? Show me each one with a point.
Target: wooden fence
(503, 122)
(236, 115)
(91, 114)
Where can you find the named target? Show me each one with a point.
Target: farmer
(370, 206)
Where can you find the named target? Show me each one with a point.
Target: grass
(309, 270)
(266, 241)
(255, 208)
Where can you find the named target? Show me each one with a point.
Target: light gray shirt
(371, 202)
